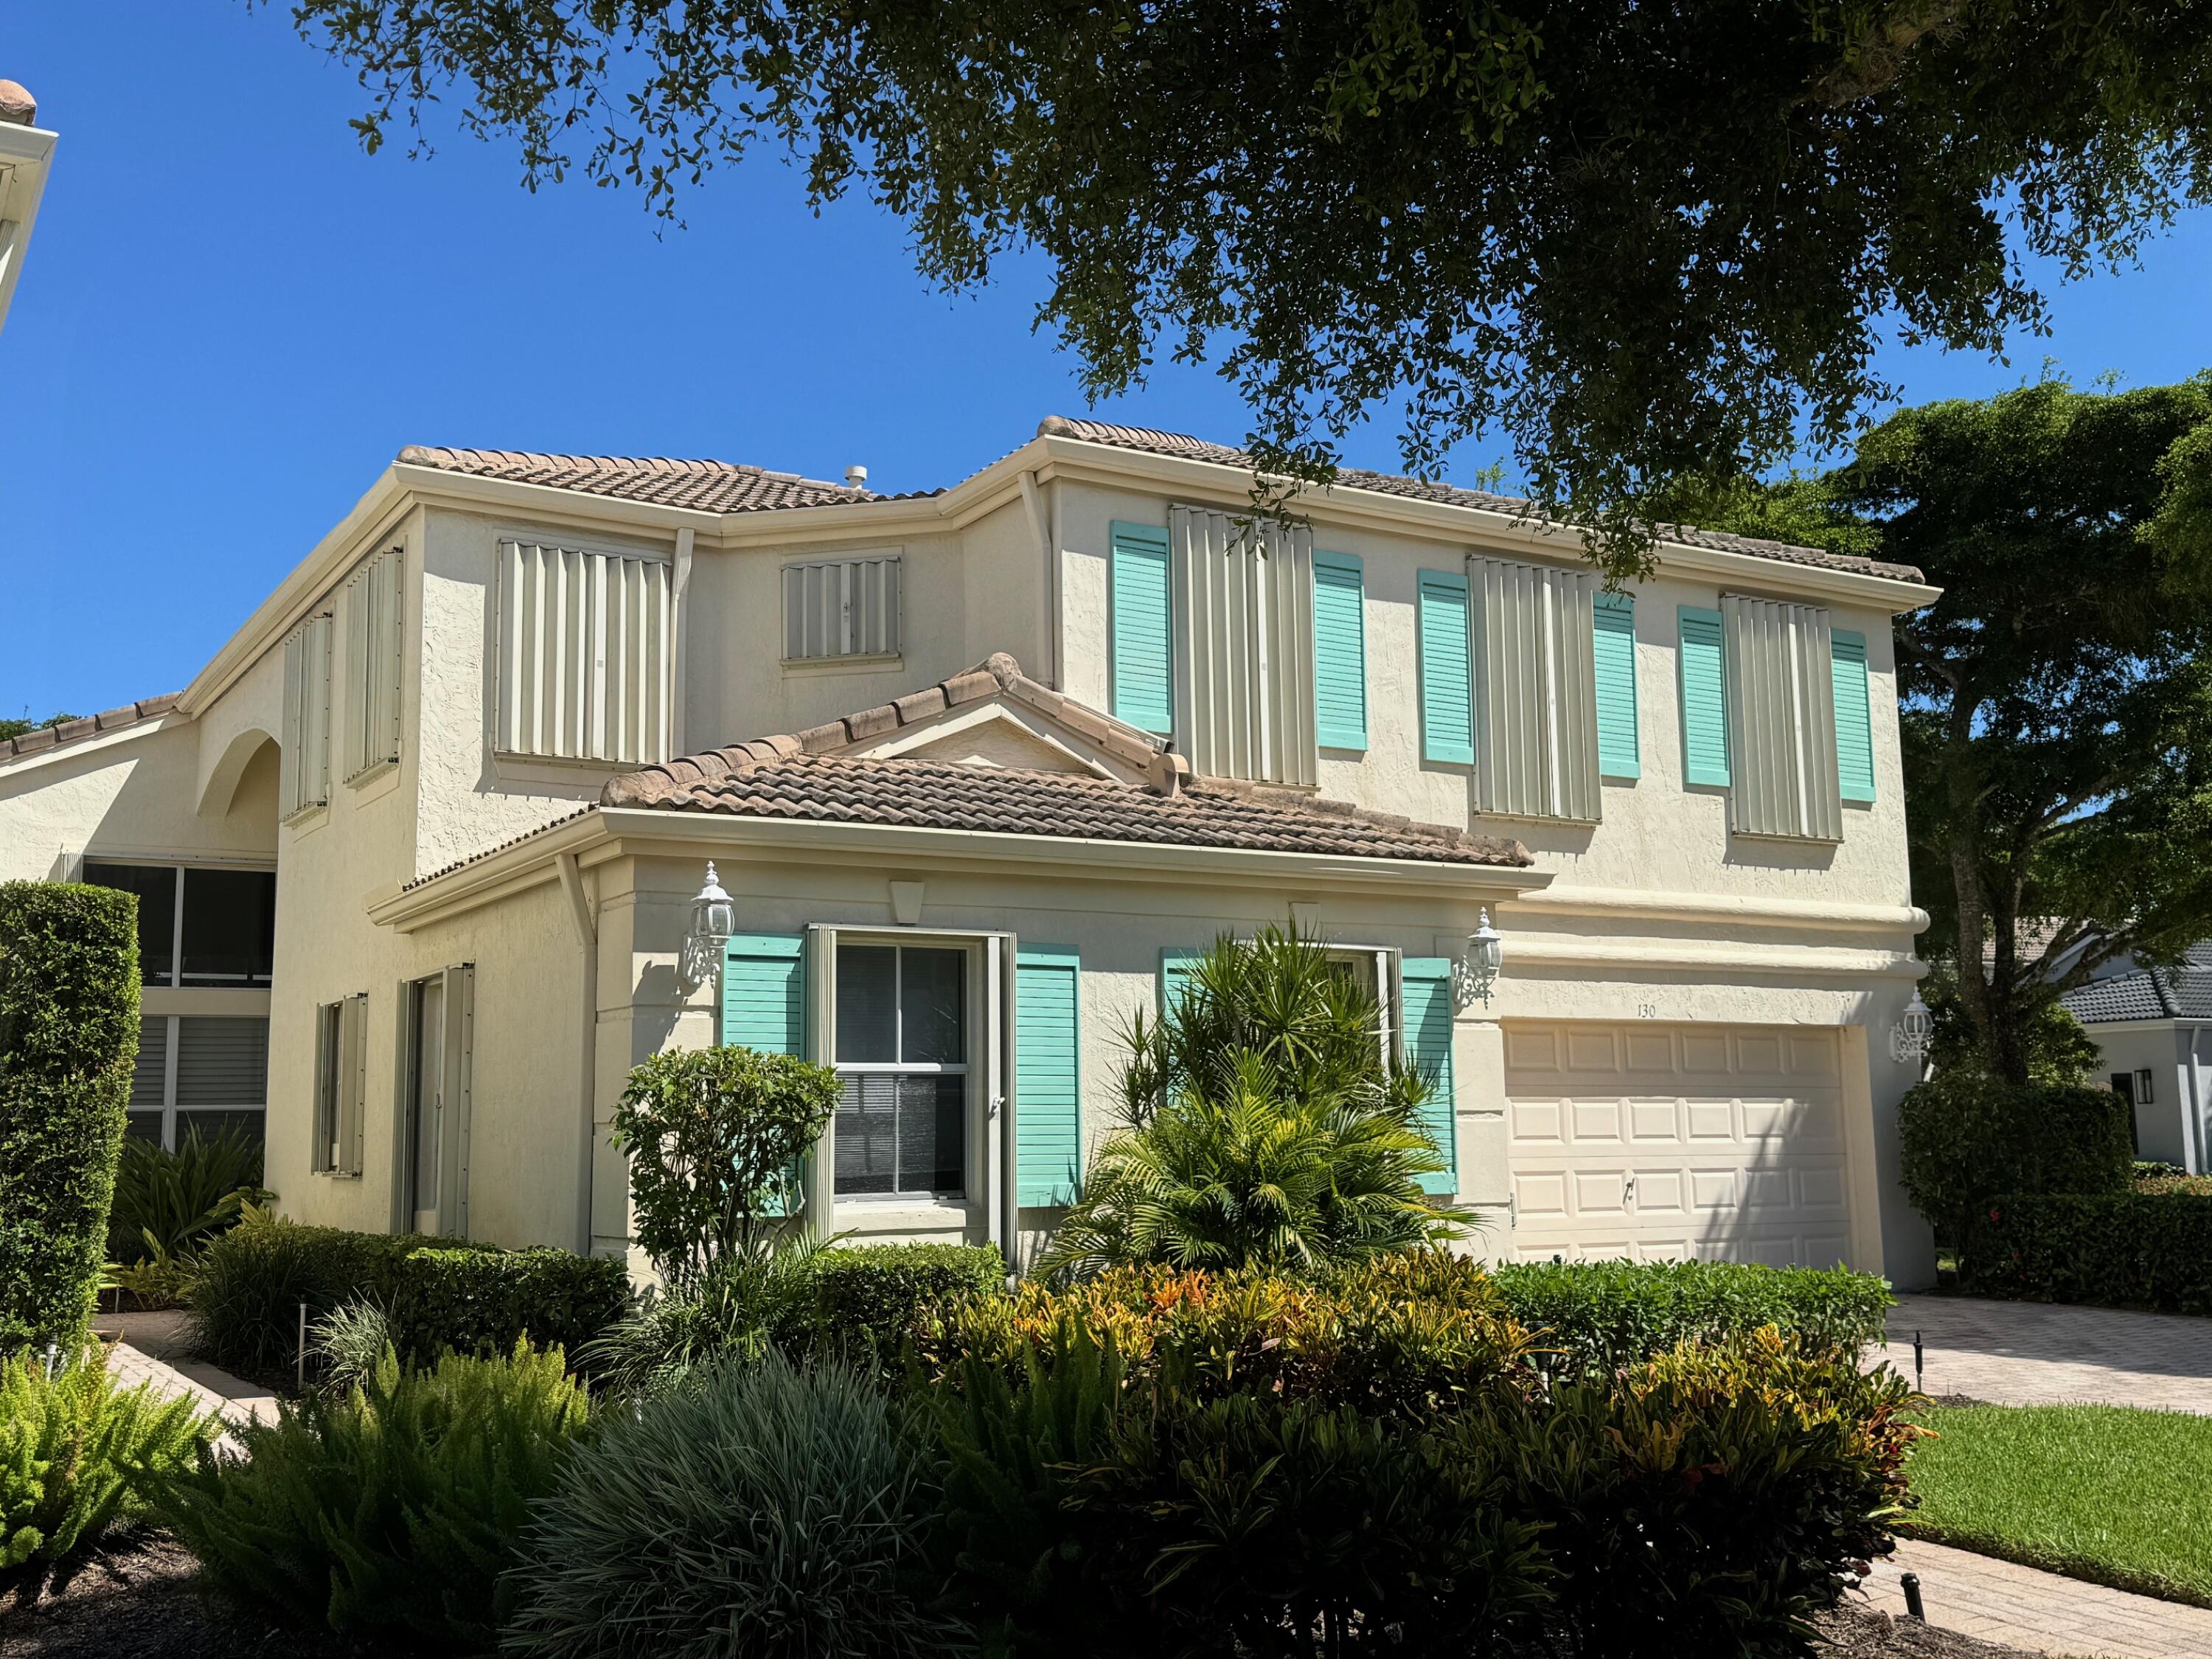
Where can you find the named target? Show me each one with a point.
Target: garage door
(1724, 1142)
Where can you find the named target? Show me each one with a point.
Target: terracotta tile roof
(806, 775)
(708, 486)
(1388, 483)
(49, 736)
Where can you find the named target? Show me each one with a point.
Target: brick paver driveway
(2040, 1612)
(2033, 1353)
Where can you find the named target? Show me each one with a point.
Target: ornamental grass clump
(762, 1509)
(1262, 1126)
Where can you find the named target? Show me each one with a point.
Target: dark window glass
(211, 1124)
(901, 1133)
(230, 927)
(142, 1126)
(930, 986)
(223, 1060)
(867, 1007)
(156, 887)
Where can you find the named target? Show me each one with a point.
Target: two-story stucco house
(978, 767)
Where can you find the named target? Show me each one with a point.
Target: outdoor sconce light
(1476, 971)
(713, 918)
(1908, 1038)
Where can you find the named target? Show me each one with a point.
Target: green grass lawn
(2103, 1492)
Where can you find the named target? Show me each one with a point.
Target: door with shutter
(1428, 1023)
(1047, 1111)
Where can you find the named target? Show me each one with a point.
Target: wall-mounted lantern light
(1476, 970)
(1908, 1038)
(713, 918)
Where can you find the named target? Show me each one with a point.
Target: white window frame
(846, 646)
(340, 1092)
(173, 1042)
(962, 1068)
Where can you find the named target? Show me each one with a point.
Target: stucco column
(1479, 1076)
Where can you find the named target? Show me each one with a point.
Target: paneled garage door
(1720, 1141)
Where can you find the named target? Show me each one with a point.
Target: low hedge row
(441, 1294)
(870, 1295)
(1596, 1316)
(2148, 1249)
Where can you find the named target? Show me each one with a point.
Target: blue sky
(230, 319)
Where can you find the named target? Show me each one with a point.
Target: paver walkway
(2041, 1612)
(2034, 1353)
(148, 1347)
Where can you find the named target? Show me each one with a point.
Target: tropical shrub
(389, 1514)
(69, 1031)
(714, 1138)
(2135, 1250)
(733, 1307)
(1262, 1126)
(1588, 1319)
(1410, 1335)
(348, 1344)
(440, 1295)
(764, 1510)
(168, 1204)
(1964, 1138)
(77, 1456)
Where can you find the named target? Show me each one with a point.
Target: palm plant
(1265, 1123)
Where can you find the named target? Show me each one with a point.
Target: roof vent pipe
(856, 477)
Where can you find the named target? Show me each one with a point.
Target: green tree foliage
(1642, 241)
(1965, 1137)
(78, 1457)
(715, 1136)
(386, 1516)
(69, 1032)
(1262, 1126)
(16, 728)
(2058, 719)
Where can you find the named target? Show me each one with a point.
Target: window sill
(308, 819)
(878, 662)
(902, 1215)
(375, 782)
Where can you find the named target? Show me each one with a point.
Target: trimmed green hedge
(2142, 1249)
(69, 1032)
(871, 1295)
(441, 1294)
(1964, 1137)
(1601, 1316)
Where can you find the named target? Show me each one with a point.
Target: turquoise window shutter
(1174, 974)
(1140, 619)
(1447, 688)
(1853, 716)
(1705, 698)
(1048, 1076)
(1339, 651)
(1613, 649)
(764, 997)
(1428, 992)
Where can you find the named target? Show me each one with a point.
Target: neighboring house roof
(2183, 993)
(726, 487)
(48, 736)
(816, 775)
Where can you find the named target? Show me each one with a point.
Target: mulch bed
(133, 1600)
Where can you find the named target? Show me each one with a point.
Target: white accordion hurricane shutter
(1782, 721)
(1244, 675)
(584, 666)
(1535, 690)
(1716, 1142)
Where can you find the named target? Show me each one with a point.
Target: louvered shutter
(1705, 697)
(1428, 1022)
(1535, 723)
(1782, 722)
(1241, 603)
(1447, 688)
(1175, 978)
(1047, 1115)
(303, 782)
(372, 648)
(1141, 648)
(584, 670)
(764, 999)
(1854, 717)
(149, 1072)
(1339, 651)
(842, 608)
(1613, 649)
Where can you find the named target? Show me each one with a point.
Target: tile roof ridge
(51, 737)
(453, 459)
(997, 674)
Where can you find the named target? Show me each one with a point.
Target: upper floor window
(1776, 710)
(585, 668)
(198, 927)
(836, 608)
(303, 782)
(373, 660)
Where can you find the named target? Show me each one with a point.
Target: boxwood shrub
(1964, 1138)
(441, 1294)
(1600, 1315)
(69, 1031)
(2142, 1249)
(868, 1298)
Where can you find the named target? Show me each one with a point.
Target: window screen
(223, 1061)
(901, 1050)
(230, 927)
(156, 884)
